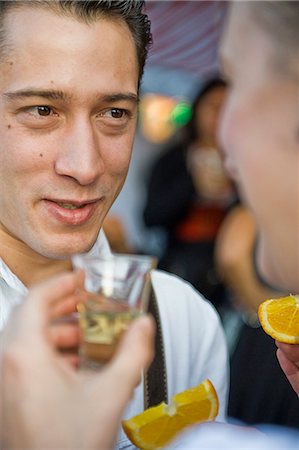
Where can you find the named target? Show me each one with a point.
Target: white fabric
(194, 342)
(12, 290)
(232, 437)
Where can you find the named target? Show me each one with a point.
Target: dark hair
(129, 11)
(190, 130)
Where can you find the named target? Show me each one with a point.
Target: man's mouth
(70, 205)
(71, 212)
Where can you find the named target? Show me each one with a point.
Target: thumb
(134, 354)
(136, 349)
(30, 320)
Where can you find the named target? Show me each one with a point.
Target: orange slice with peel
(280, 318)
(157, 426)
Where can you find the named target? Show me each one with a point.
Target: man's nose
(79, 155)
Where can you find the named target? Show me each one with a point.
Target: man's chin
(65, 250)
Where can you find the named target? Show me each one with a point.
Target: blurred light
(155, 117)
(181, 114)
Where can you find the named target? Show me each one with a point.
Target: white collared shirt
(12, 290)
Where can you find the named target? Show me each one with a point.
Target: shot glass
(118, 287)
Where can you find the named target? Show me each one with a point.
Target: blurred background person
(183, 55)
(189, 194)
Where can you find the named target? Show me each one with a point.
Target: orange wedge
(280, 318)
(157, 426)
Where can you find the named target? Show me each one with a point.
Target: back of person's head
(259, 127)
(280, 20)
(128, 11)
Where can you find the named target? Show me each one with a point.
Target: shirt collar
(101, 247)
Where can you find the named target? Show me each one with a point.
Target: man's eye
(40, 111)
(115, 113)
(43, 110)
(37, 116)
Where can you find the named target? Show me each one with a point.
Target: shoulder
(187, 318)
(180, 298)
(9, 297)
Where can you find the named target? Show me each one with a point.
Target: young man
(69, 89)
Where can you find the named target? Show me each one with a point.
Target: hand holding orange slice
(280, 318)
(157, 426)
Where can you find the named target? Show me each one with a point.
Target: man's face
(259, 133)
(207, 113)
(68, 107)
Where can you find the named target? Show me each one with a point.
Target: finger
(123, 373)
(29, 324)
(138, 340)
(64, 336)
(66, 306)
(290, 369)
(287, 366)
(56, 288)
(70, 360)
(44, 296)
(290, 350)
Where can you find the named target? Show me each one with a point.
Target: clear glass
(118, 288)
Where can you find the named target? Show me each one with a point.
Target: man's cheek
(118, 166)
(229, 125)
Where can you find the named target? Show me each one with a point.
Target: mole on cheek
(8, 126)
(41, 155)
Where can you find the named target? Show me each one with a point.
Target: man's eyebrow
(49, 94)
(53, 94)
(114, 98)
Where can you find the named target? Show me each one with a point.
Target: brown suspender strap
(155, 380)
